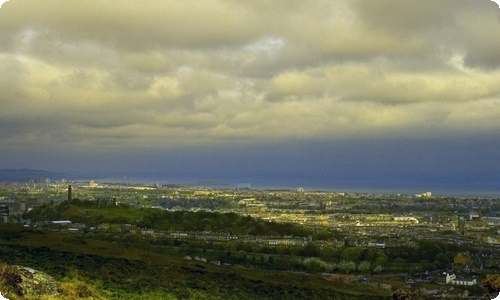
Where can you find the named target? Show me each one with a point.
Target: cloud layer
(171, 73)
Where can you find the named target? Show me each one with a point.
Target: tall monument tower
(69, 192)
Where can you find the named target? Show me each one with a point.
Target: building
(452, 279)
(476, 215)
(106, 201)
(424, 195)
(4, 212)
(21, 206)
(244, 186)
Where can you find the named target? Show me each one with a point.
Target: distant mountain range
(29, 174)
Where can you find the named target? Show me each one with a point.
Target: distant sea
(481, 186)
(375, 187)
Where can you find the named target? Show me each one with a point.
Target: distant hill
(29, 174)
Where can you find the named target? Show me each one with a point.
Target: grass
(106, 214)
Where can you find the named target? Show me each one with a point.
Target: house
(452, 279)
(64, 222)
(476, 215)
(4, 212)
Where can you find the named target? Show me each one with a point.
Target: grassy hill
(88, 213)
(114, 269)
(117, 272)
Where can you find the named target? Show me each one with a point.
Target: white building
(452, 279)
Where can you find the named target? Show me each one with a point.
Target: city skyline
(402, 92)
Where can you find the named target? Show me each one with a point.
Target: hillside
(89, 213)
(118, 272)
(121, 265)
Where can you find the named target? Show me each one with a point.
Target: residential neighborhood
(353, 237)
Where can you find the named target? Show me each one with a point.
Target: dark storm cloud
(171, 74)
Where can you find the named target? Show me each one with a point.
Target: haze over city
(349, 94)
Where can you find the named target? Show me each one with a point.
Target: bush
(76, 290)
(11, 279)
(492, 283)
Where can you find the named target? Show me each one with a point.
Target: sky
(346, 93)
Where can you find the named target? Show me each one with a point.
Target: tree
(461, 259)
(283, 250)
(364, 266)
(241, 255)
(377, 269)
(346, 266)
(313, 264)
(442, 260)
(311, 250)
(381, 258)
(428, 250)
(370, 255)
(322, 235)
(329, 252)
(353, 254)
(400, 263)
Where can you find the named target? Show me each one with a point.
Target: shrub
(76, 290)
